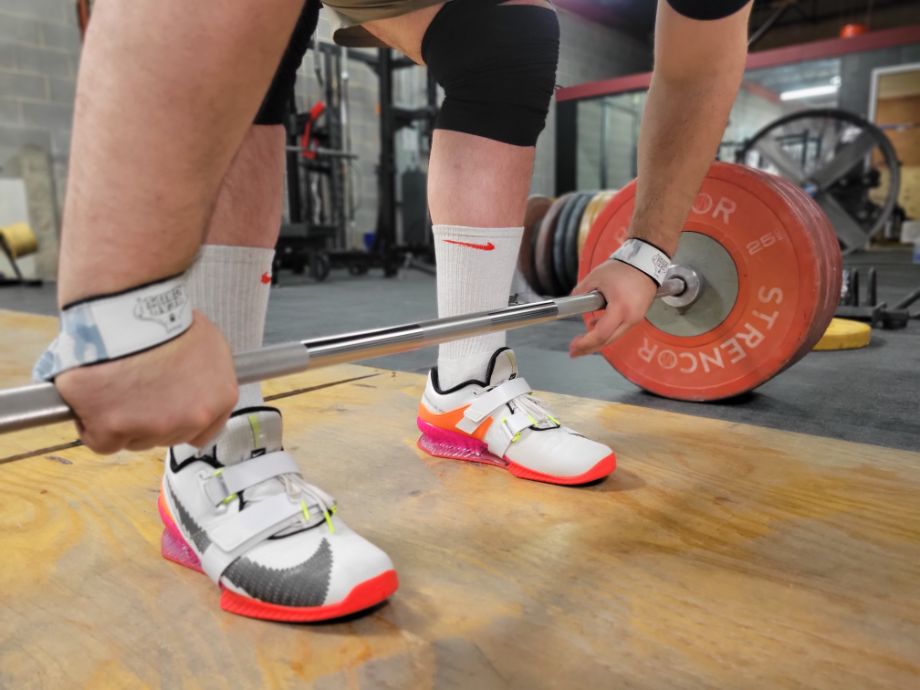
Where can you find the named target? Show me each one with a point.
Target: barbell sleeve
(40, 404)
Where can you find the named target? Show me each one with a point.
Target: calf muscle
(166, 92)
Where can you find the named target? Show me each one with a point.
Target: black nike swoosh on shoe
(198, 535)
(305, 584)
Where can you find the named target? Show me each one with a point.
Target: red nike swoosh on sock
(266, 278)
(488, 247)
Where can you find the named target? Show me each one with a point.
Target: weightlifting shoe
(497, 422)
(240, 512)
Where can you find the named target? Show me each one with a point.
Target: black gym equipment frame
(392, 119)
(322, 246)
(307, 239)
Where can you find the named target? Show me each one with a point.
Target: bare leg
(165, 95)
(166, 92)
(230, 280)
(477, 194)
(478, 182)
(471, 180)
(248, 208)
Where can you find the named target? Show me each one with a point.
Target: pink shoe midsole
(451, 444)
(173, 546)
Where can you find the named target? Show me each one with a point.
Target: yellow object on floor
(718, 555)
(844, 334)
(19, 239)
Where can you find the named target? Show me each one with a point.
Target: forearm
(166, 92)
(681, 130)
(698, 68)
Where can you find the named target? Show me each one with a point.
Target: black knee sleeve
(274, 107)
(497, 66)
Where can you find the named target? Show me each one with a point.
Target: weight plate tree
(837, 158)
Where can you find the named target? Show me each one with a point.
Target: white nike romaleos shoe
(240, 512)
(497, 422)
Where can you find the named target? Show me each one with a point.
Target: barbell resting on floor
(40, 404)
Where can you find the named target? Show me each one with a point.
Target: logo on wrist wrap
(164, 308)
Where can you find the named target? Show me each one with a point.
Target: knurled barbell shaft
(40, 404)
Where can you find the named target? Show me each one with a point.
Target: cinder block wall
(39, 51)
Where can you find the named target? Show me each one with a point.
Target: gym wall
(856, 73)
(39, 51)
(589, 52)
(39, 54)
(794, 29)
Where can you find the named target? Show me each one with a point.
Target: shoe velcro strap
(513, 425)
(487, 403)
(234, 535)
(230, 481)
(516, 423)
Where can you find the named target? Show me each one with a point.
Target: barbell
(39, 404)
(754, 285)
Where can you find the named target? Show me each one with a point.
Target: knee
(497, 65)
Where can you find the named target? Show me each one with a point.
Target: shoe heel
(173, 546)
(449, 444)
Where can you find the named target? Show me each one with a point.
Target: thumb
(584, 287)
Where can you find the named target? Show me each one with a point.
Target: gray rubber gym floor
(870, 395)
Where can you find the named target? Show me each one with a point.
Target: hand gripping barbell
(39, 404)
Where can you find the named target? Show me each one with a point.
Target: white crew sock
(230, 286)
(474, 271)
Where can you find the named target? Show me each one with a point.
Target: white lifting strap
(230, 481)
(233, 535)
(487, 403)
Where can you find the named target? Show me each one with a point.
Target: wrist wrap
(100, 329)
(645, 257)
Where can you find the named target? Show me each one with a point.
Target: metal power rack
(316, 237)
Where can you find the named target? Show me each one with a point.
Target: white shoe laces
(299, 490)
(536, 409)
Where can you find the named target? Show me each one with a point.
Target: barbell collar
(40, 404)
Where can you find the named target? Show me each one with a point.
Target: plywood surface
(718, 556)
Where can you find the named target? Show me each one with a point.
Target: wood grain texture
(719, 555)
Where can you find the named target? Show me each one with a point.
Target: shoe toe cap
(355, 560)
(558, 453)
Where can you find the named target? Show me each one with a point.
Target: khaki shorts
(348, 15)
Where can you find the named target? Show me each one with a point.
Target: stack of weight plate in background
(555, 231)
